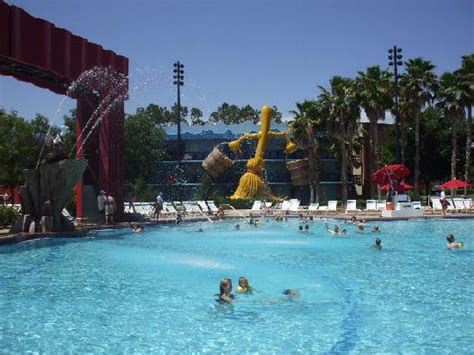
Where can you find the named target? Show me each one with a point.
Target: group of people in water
(225, 294)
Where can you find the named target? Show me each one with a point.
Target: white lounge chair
(294, 205)
(371, 206)
(169, 209)
(66, 214)
(285, 206)
(313, 207)
(257, 205)
(192, 208)
(468, 204)
(351, 207)
(459, 204)
(212, 206)
(149, 209)
(381, 205)
(451, 207)
(204, 207)
(179, 207)
(322, 208)
(436, 204)
(417, 205)
(332, 206)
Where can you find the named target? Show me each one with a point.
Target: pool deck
(83, 229)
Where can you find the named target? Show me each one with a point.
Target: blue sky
(248, 52)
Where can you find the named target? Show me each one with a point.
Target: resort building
(184, 180)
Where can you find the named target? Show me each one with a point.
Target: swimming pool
(154, 291)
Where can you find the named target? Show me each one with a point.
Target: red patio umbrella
(454, 184)
(389, 173)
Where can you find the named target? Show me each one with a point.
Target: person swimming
(306, 228)
(291, 293)
(375, 229)
(378, 244)
(137, 228)
(337, 230)
(353, 220)
(225, 289)
(360, 228)
(452, 244)
(237, 226)
(244, 286)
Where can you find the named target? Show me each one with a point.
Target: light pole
(178, 81)
(394, 57)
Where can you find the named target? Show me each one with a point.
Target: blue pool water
(154, 291)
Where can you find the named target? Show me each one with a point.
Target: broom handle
(262, 142)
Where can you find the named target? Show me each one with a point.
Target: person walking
(158, 205)
(110, 208)
(101, 200)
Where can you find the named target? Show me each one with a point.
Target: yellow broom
(251, 184)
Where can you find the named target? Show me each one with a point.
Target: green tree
(163, 116)
(308, 130)
(70, 133)
(450, 99)
(374, 94)
(467, 81)
(417, 87)
(341, 105)
(144, 147)
(233, 114)
(18, 150)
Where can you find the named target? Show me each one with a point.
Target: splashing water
(113, 89)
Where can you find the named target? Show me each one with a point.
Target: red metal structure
(36, 51)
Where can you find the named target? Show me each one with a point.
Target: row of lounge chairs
(293, 205)
(456, 205)
(191, 208)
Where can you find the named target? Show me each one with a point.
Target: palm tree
(340, 103)
(307, 129)
(450, 99)
(374, 93)
(467, 81)
(417, 87)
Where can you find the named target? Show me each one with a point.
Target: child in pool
(225, 288)
(378, 244)
(244, 286)
(452, 244)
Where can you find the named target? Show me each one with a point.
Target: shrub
(237, 204)
(8, 216)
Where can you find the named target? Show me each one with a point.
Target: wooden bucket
(299, 172)
(217, 163)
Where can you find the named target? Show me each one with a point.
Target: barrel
(217, 163)
(299, 172)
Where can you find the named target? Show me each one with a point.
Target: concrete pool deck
(82, 230)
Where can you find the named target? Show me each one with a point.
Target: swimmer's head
(243, 282)
(291, 293)
(306, 227)
(378, 241)
(237, 226)
(225, 287)
(300, 228)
